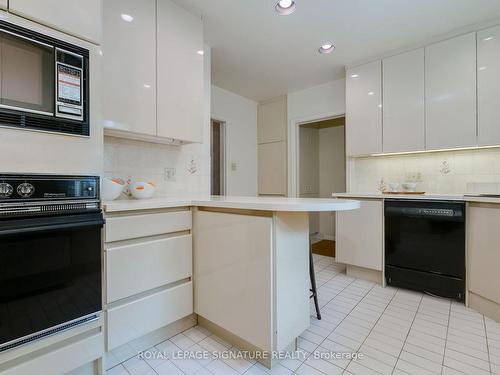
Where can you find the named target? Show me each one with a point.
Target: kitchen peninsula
(240, 263)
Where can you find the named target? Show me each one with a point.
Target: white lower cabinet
(149, 224)
(158, 261)
(148, 258)
(359, 235)
(483, 253)
(62, 360)
(144, 315)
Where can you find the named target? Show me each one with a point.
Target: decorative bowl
(111, 188)
(142, 189)
(409, 186)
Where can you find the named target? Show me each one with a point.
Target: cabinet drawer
(156, 262)
(137, 318)
(136, 226)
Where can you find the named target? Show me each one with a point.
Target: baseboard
(484, 306)
(365, 274)
(132, 348)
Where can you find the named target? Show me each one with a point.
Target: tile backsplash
(175, 170)
(450, 172)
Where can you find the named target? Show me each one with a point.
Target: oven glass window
(48, 278)
(26, 74)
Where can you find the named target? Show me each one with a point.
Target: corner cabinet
(403, 111)
(450, 88)
(76, 17)
(180, 73)
(129, 66)
(364, 109)
(488, 86)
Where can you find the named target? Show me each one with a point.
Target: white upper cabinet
(364, 109)
(272, 168)
(403, 93)
(450, 88)
(129, 66)
(180, 73)
(81, 18)
(272, 120)
(3, 4)
(488, 86)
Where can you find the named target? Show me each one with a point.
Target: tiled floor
(399, 332)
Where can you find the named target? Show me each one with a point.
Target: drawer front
(157, 262)
(137, 318)
(136, 226)
(62, 360)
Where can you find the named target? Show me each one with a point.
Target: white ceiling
(260, 55)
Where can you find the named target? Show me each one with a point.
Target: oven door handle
(31, 225)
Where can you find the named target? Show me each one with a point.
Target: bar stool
(312, 276)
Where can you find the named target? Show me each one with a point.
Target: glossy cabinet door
(272, 168)
(272, 120)
(76, 17)
(180, 73)
(359, 235)
(450, 90)
(129, 66)
(364, 109)
(483, 258)
(403, 93)
(488, 86)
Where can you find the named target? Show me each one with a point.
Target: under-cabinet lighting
(436, 150)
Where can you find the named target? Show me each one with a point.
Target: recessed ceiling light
(326, 48)
(371, 93)
(127, 17)
(200, 52)
(147, 86)
(354, 75)
(482, 68)
(488, 38)
(285, 7)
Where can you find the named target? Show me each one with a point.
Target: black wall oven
(50, 255)
(425, 246)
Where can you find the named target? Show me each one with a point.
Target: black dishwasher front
(425, 246)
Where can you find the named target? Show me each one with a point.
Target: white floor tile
(399, 332)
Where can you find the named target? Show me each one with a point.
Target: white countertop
(243, 203)
(454, 197)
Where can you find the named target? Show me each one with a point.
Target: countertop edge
(450, 197)
(325, 205)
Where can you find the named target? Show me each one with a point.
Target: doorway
(217, 157)
(321, 172)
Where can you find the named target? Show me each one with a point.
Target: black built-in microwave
(44, 82)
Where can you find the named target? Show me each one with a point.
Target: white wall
(240, 116)
(332, 173)
(447, 172)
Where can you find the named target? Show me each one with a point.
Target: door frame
(294, 149)
(223, 162)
